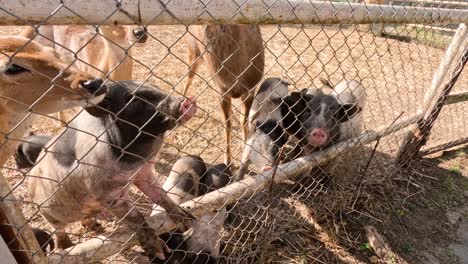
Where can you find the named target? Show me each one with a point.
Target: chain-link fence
(74, 174)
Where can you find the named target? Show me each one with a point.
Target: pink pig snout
(318, 137)
(188, 108)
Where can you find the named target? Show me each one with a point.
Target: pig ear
(305, 95)
(96, 111)
(257, 124)
(22, 160)
(347, 111)
(100, 110)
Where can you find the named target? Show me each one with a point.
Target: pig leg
(176, 213)
(147, 236)
(148, 184)
(63, 240)
(247, 104)
(227, 113)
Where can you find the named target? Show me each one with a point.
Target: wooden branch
(152, 12)
(15, 243)
(379, 245)
(451, 99)
(232, 193)
(443, 146)
(12, 215)
(93, 250)
(424, 126)
(417, 136)
(456, 46)
(457, 98)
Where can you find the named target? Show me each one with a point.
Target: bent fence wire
(394, 60)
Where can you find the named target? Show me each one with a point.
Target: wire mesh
(279, 222)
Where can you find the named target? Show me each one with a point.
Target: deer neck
(116, 34)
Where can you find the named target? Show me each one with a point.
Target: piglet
(179, 254)
(105, 149)
(190, 178)
(183, 182)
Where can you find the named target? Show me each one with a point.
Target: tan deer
(234, 56)
(105, 52)
(33, 80)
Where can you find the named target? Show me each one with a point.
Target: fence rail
(176, 12)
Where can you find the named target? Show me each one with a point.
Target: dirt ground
(323, 220)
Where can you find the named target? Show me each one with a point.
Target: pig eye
(15, 69)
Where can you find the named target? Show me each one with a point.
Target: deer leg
(245, 160)
(247, 104)
(194, 61)
(62, 118)
(227, 112)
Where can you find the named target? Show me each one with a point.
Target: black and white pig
(266, 136)
(320, 120)
(190, 178)
(106, 148)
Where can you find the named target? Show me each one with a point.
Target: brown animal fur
(234, 56)
(107, 54)
(33, 90)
